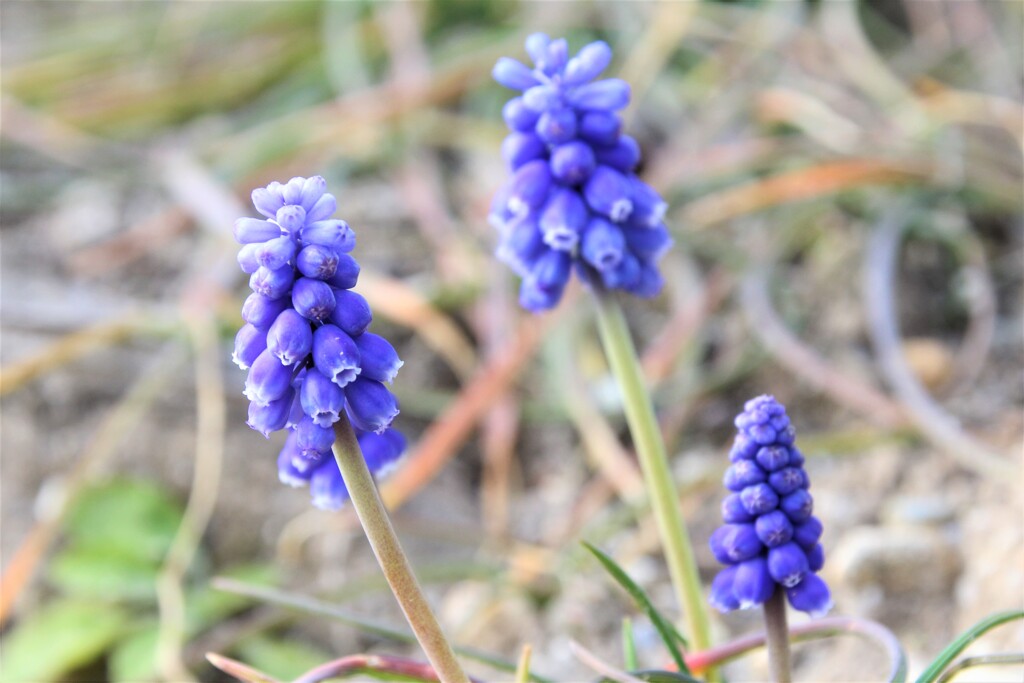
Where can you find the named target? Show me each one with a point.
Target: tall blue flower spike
(573, 200)
(305, 343)
(770, 540)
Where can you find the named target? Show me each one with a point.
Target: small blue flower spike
(573, 201)
(770, 540)
(305, 344)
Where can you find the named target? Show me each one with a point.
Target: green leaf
(59, 638)
(91, 572)
(628, 645)
(668, 632)
(130, 517)
(282, 659)
(133, 660)
(205, 605)
(947, 656)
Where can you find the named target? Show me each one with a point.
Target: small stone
(918, 510)
(897, 561)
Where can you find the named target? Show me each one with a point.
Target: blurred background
(845, 189)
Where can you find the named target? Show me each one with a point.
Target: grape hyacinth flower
(573, 200)
(770, 539)
(305, 341)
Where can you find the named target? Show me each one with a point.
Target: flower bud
(600, 128)
(648, 206)
(250, 342)
(759, 499)
(573, 162)
(722, 596)
(741, 474)
(378, 358)
(798, 506)
(772, 458)
(608, 95)
(335, 355)
(607, 193)
(556, 125)
(808, 533)
(519, 148)
(810, 595)
(347, 273)
(291, 218)
(513, 74)
(603, 245)
(313, 299)
(522, 245)
(290, 338)
(317, 261)
(268, 200)
(787, 480)
(247, 258)
(371, 403)
(276, 253)
(518, 116)
(752, 584)
(588, 64)
(322, 400)
(382, 451)
(773, 528)
(328, 488)
(563, 219)
(272, 284)
(273, 416)
(268, 379)
(542, 98)
(260, 311)
(313, 189)
(287, 472)
(530, 186)
(254, 230)
(330, 233)
(312, 439)
(352, 314)
(623, 156)
(648, 243)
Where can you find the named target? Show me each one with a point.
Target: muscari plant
(573, 204)
(316, 371)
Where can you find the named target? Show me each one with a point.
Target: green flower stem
(650, 448)
(393, 562)
(777, 636)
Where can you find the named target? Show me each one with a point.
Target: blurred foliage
(104, 578)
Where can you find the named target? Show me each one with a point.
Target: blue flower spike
(770, 539)
(573, 198)
(305, 344)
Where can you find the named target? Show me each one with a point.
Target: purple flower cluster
(574, 198)
(770, 537)
(305, 341)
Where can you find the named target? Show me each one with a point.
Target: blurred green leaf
(282, 659)
(205, 605)
(59, 638)
(130, 517)
(669, 634)
(133, 660)
(628, 645)
(105, 574)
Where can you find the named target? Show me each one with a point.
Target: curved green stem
(650, 448)
(392, 560)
